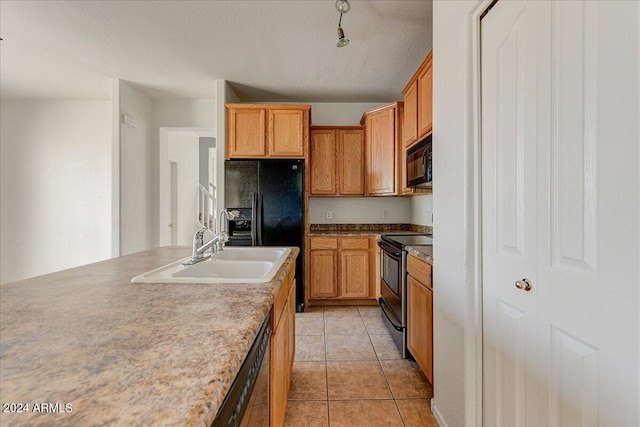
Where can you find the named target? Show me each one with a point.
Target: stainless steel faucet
(224, 234)
(199, 248)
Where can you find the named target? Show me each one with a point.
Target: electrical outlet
(329, 215)
(385, 214)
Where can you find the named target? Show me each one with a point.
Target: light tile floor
(348, 372)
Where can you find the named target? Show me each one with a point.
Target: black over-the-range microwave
(419, 169)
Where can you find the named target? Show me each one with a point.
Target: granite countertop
(363, 230)
(425, 253)
(121, 353)
(352, 233)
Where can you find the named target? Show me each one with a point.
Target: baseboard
(354, 301)
(436, 414)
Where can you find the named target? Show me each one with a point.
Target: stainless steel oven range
(393, 286)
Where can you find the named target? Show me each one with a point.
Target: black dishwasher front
(247, 403)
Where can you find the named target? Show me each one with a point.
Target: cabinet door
(351, 162)
(411, 114)
(420, 325)
(425, 100)
(246, 135)
(279, 375)
(286, 133)
(381, 153)
(291, 329)
(323, 162)
(324, 283)
(354, 274)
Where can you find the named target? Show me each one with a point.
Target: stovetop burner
(400, 240)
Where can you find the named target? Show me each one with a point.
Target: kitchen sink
(232, 265)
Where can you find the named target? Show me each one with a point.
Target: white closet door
(588, 280)
(509, 207)
(565, 189)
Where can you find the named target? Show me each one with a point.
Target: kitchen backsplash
(314, 228)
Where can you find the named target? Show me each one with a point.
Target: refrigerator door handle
(254, 218)
(259, 220)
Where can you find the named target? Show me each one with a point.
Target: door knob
(524, 284)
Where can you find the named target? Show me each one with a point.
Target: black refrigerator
(274, 192)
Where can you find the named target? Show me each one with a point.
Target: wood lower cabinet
(354, 274)
(342, 268)
(282, 348)
(383, 136)
(267, 130)
(337, 161)
(279, 375)
(420, 314)
(324, 283)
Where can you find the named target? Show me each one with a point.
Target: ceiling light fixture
(342, 40)
(343, 6)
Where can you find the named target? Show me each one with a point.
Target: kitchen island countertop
(104, 351)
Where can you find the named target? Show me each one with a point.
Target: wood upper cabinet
(337, 161)
(323, 162)
(246, 132)
(425, 98)
(410, 134)
(418, 99)
(287, 132)
(266, 130)
(420, 314)
(350, 162)
(383, 131)
(342, 267)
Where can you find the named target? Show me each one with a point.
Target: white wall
(183, 149)
(421, 208)
(340, 114)
(454, 386)
(55, 206)
(196, 114)
(136, 180)
(359, 210)
(224, 94)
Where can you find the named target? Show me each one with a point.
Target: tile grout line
(326, 365)
(395, 402)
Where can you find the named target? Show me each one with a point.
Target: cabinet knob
(524, 284)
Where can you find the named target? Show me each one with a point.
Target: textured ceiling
(267, 50)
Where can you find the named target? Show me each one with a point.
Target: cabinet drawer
(323, 243)
(354, 243)
(419, 269)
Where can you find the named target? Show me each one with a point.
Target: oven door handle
(390, 249)
(383, 303)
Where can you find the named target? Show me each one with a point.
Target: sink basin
(232, 265)
(251, 254)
